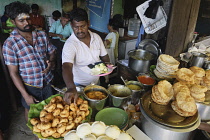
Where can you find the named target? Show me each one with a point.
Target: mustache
(30, 26)
(80, 33)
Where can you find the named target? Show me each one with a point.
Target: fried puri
(185, 75)
(162, 93)
(180, 111)
(199, 72)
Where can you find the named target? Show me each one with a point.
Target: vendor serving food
(82, 48)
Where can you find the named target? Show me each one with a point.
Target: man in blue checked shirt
(29, 57)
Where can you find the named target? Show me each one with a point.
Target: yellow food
(97, 95)
(134, 87)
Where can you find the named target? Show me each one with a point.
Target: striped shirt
(31, 60)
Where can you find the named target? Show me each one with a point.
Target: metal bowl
(147, 86)
(136, 93)
(96, 105)
(119, 95)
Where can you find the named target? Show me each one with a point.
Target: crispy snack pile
(190, 88)
(57, 118)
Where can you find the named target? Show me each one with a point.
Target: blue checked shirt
(31, 60)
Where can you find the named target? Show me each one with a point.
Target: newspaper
(152, 25)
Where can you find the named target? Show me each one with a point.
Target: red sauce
(146, 80)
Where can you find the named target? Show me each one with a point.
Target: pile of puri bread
(97, 131)
(189, 87)
(58, 118)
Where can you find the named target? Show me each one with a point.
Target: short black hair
(35, 6)
(78, 14)
(114, 23)
(6, 9)
(16, 8)
(56, 13)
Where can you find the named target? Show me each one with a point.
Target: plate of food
(98, 69)
(53, 118)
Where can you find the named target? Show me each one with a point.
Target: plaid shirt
(31, 60)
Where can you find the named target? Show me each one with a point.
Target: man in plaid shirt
(29, 57)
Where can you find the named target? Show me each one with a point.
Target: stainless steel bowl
(146, 86)
(119, 95)
(136, 93)
(96, 105)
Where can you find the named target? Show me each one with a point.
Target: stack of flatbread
(185, 76)
(166, 67)
(162, 93)
(199, 74)
(184, 103)
(206, 80)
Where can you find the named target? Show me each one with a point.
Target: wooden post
(74, 4)
(182, 25)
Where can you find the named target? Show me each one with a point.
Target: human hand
(50, 66)
(60, 36)
(70, 96)
(109, 64)
(30, 100)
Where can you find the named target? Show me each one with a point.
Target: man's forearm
(105, 58)
(68, 77)
(19, 84)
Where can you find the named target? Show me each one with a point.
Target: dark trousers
(39, 93)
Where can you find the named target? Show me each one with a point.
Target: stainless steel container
(204, 111)
(156, 131)
(197, 60)
(119, 95)
(96, 105)
(136, 93)
(140, 60)
(165, 126)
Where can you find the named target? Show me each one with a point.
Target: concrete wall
(46, 6)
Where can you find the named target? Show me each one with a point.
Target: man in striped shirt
(29, 57)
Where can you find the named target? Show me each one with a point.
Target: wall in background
(46, 6)
(99, 14)
(118, 7)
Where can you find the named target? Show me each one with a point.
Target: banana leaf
(35, 110)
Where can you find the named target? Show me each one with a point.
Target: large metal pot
(204, 108)
(157, 131)
(204, 111)
(140, 60)
(170, 126)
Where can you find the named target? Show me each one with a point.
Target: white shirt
(113, 46)
(80, 55)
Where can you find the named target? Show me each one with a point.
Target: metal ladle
(123, 80)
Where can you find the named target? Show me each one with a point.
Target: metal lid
(150, 46)
(164, 114)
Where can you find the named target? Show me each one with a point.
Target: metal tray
(150, 46)
(167, 116)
